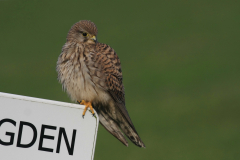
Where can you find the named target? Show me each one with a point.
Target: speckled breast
(80, 76)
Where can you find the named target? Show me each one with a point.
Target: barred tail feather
(111, 126)
(119, 123)
(129, 130)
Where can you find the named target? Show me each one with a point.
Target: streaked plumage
(91, 71)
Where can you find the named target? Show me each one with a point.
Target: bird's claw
(92, 115)
(87, 105)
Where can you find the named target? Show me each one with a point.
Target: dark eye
(84, 34)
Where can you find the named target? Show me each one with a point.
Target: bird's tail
(126, 125)
(111, 126)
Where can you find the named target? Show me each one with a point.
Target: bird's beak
(94, 38)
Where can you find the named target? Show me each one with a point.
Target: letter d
(20, 134)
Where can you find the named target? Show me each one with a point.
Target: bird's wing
(107, 59)
(111, 65)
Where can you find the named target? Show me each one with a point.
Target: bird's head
(83, 32)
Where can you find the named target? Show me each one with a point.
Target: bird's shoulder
(108, 59)
(108, 51)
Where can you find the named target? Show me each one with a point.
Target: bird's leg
(87, 105)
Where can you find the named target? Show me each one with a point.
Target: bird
(90, 72)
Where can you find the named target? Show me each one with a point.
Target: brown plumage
(91, 71)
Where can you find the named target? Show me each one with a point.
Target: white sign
(36, 129)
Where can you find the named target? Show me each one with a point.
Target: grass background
(180, 62)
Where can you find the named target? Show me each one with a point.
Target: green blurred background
(180, 62)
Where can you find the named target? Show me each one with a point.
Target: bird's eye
(84, 34)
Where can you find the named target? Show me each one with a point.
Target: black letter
(8, 133)
(70, 149)
(20, 135)
(40, 147)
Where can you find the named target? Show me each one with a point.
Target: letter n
(63, 132)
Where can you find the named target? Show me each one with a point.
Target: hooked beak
(94, 38)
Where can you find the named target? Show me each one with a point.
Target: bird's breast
(79, 76)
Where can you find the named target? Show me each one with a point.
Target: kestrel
(90, 72)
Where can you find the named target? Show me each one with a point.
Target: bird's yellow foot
(87, 105)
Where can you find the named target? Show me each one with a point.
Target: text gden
(61, 133)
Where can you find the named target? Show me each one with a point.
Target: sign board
(36, 129)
